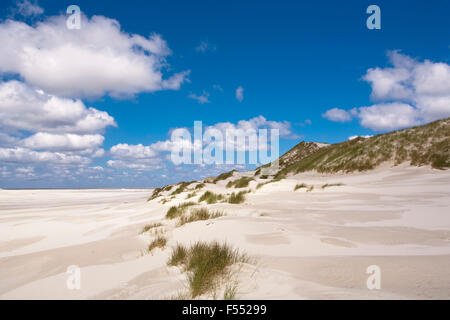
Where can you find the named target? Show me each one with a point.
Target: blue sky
(295, 61)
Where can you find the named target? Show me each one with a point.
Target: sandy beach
(303, 245)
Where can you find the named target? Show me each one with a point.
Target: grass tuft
(159, 242)
(236, 198)
(199, 214)
(206, 264)
(240, 183)
(176, 211)
(178, 256)
(151, 226)
(224, 176)
(211, 197)
(331, 185)
(199, 186)
(300, 186)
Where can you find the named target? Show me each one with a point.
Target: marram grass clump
(158, 242)
(211, 197)
(206, 264)
(199, 214)
(240, 183)
(332, 185)
(151, 226)
(236, 198)
(300, 186)
(176, 211)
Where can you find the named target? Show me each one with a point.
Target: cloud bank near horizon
(409, 93)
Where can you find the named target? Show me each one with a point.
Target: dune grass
(178, 256)
(300, 186)
(332, 185)
(199, 186)
(199, 214)
(176, 211)
(424, 145)
(181, 187)
(310, 188)
(156, 193)
(151, 226)
(206, 264)
(191, 195)
(211, 197)
(159, 242)
(230, 291)
(236, 198)
(259, 185)
(240, 183)
(224, 176)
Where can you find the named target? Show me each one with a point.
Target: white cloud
(25, 108)
(201, 99)
(240, 94)
(24, 155)
(390, 116)
(63, 142)
(338, 115)
(44, 129)
(126, 151)
(205, 46)
(151, 157)
(137, 165)
(28, 9)
(409, 93)
(354, 137)
(95, 60)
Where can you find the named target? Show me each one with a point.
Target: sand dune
(303, 245)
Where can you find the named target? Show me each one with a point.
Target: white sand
(305, 245)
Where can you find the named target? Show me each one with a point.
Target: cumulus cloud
(126, 151)
(337, 115)
(42, 128)
(24, 155)
(27, 8)
(201, 99)
(152, 157)
(390, 116)
(63, 142)
(411, 92)
(240, 94)
(97, 59)
(25, 108)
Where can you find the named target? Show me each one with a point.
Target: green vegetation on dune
(300, 186)
(236, 198)
(199, 214)
(211, 197)
(159, 242)
(181, 187)
(151, 226)
(176, 211)
(240, 183)
(424, 145)
(206, 264)
(224, 176)
(332, 185)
